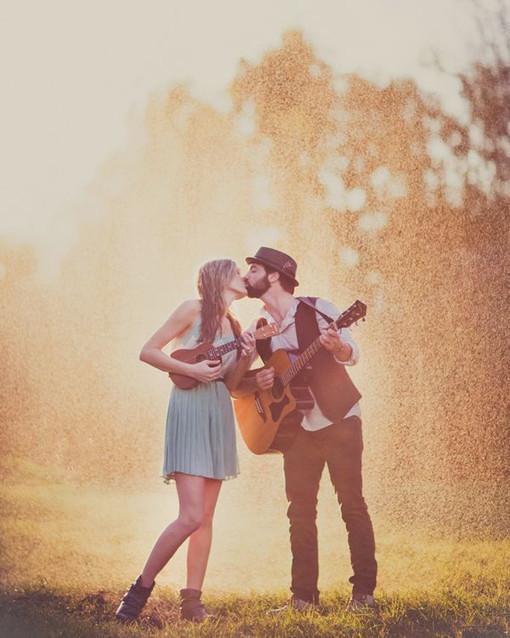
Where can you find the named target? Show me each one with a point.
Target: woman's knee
(191, 520)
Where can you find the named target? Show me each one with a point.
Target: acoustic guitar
(207, 350)
(260, 415)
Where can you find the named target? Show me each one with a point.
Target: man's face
(256, 280)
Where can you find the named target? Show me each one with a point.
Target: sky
(76, 74)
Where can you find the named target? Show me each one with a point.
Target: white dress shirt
(313, 419)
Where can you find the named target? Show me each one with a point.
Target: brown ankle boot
(192, 608)
(133, 601)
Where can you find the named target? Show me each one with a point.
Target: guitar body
(191, 355)
(262, 416)
(259, 415)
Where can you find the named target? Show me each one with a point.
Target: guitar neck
(219, 351)
(263, 332)
(349, 316)
(295, 368)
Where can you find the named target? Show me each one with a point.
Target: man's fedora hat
(276, 260)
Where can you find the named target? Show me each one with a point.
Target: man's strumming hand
(265, 378)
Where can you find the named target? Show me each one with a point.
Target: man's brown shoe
(295, 604)
(362, 602)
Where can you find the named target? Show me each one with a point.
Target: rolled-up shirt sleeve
(345, 334)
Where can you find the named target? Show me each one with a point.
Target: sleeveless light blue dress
(200, 435)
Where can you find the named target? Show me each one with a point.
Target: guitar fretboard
(218, 351)
(296, 367)
(349, 316)
(236, 344)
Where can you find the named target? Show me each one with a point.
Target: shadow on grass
(46, 613)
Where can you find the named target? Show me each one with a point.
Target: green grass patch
(69, 551)
(48, 613)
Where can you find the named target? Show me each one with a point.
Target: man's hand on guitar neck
(265, 378)
(332, 342)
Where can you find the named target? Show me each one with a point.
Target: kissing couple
(200, 439)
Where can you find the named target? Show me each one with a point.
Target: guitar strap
(310, 301)
(263, 348)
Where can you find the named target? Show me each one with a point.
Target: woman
(200, 447)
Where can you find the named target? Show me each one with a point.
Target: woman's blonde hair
(213, 277)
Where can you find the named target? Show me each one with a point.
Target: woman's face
(237, 285)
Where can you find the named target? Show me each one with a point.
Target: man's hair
(285, 282)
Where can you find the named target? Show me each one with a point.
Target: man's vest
(329, 381)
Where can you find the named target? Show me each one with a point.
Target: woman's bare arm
(178, 322)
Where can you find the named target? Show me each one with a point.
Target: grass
(48, 613)
(69, 551)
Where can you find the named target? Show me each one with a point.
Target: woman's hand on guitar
(206, 371)
(265, 378)
(247, 344)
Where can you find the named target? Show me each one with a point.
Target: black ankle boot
(192, 608)
(133, 601)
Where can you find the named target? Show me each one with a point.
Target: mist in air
(380, 196)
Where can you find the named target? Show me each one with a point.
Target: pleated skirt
(200, 435)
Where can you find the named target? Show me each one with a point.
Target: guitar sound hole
(277, 388)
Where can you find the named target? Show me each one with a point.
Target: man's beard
(261, 287)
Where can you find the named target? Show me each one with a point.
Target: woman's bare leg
(200, 541)
(191, 491)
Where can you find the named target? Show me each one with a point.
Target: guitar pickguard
(277, 407)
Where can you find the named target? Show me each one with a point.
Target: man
(329, 432)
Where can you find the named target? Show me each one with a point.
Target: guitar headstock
(354, 313)
(267, 330)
